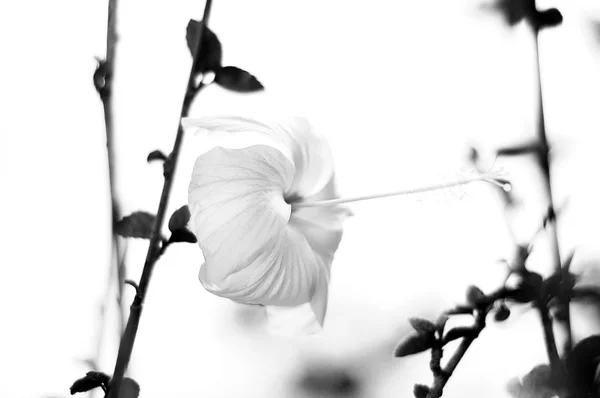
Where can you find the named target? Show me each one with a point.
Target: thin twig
(441, 375)
(544, 161)
(103, 82)
(128, 340)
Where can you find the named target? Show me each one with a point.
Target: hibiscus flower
(267, 215)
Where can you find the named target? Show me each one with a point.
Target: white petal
(293, 136)
(237, 206)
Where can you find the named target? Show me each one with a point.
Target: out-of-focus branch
(128, 339)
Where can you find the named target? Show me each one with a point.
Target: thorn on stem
(135, 286)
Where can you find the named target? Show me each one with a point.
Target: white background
(401, 89)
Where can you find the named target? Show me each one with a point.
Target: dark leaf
(422, 326)
(326, 381)
(548, 18)
(514, 11)
(414, 344)
(211, 51)
(129, 388)
(156, 155)
(137, 225)
(441, 323)
(529, 289)
(90, 381)
(502, 313)
(183, 235)
(476, 297)
(459, 333)
(582, 363)
(236, 79)
(421, 391)
(538, 383)
(180, 218)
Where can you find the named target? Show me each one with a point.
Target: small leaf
(529, 288)
(502, 313)
(211, 51)
(329, 381)
(538, 383)
(179, 218)
(129, 388)
(420, 390)
(156, 155)
(414, 344)
(137, 225)
(90, 381)
(236, 79)
(475, 296)
(459, 333)
(548, 18)
(422, 326)
(514, 387)
(183, 235)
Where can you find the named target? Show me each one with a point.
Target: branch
(441, 375)
(103, 80)
(544, 161)
(128, 340)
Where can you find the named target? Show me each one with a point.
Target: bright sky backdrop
(400, 88)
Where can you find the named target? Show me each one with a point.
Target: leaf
(548, 18)
(179, 218)
(420, 390)
(211, 51)
(156, 155)
(236, 79)
(422, 326)
(582, 363)
(183, 235)
(529, 288)
(329, 381)
(91, 380)
(502, 313)
(414, 344)
(138, 224)
(476, 297)
(129, 388)
(538, 383)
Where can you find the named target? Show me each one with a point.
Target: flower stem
(483, 178)
(128, 339)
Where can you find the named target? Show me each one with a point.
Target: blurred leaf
(329, 382)
(459, 333)
(515, 11)
(548, 18)
(502, 313)
(422, 326)
(236, 79)
(414, 344)
(475, 296)
(538, 383)
(137, 225)
(156, 155)
(420, 390)
(211, 51)
(91, 380)
(179, 218)
(129, 388)
(581, 365)
(183, 235)
(514, 387)
(530, 287)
